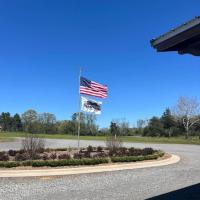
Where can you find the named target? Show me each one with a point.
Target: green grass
(160, 140)
(163, 140)
(4, 139)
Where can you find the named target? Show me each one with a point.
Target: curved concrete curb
(86, 170)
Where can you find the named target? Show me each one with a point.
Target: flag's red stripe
(99, 85)
(98, 89)
(93, 90)
(93, 93)
(84, 90)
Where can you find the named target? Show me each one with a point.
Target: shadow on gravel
(188, 193)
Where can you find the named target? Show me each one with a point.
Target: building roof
(183, 39)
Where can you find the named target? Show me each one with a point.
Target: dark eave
(183, 39)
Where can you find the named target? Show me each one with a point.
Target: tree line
(182, 119)
(33, 122)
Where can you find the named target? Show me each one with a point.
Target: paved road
(121, 185)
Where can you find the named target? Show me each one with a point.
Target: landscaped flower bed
(73, 157)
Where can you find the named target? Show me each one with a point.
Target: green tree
(168, 122)
(6, 121)
(47, 123)
(87, 123)
(67, 127)
(154, 128)
(16, 123)
(114, 129)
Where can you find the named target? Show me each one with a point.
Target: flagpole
(79, 114)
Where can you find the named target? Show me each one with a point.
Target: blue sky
(44, 43)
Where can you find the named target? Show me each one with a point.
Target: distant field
(162, 140)
(4, 139)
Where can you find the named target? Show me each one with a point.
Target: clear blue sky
(43, 44)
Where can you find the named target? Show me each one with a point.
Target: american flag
(93, 88)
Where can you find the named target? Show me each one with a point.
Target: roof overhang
(183, 39)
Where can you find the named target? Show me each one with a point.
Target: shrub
(122, 151)
(61, 149)
(4, 156)
(33, 145)
(131, 151)
(87, 154)
(71, 162)
(41, 150)
(127, 159)
(47, 150)
(89, 149)
(135, 152)
(45, 157)
(53, 156)
(147, 151)
(36, 157)
(21, 151)
(12, 152)
(26, 163)
(136, 158)
(99, 149)
(113, 143)
(78, 155)
(160, 153)
(21, 157)
(9, 164)
(100, 155)
(64, 157)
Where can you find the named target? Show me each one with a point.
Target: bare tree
(32, 145)
(187, 110)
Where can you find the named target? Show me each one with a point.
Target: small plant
(47, 150)
(41, 150)
(21, 151)
(100, 155)
(134, 152)
(64, 157)
(60, 149)
(78, 156)
(112, 152)
(131, 151)
(99, 149)
(89, 149)
(45, 156)
(36, 157)
(12, 152)
(122, 151)
(21, 157)
(148, 151)
(87, 154)
(53, 156)
(4, 156)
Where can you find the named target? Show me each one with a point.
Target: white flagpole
(79, 114)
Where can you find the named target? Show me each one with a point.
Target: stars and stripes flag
(93, 88)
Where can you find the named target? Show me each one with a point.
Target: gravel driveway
(121, 185)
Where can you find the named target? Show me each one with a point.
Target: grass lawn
(162, 140)
(4, 139)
